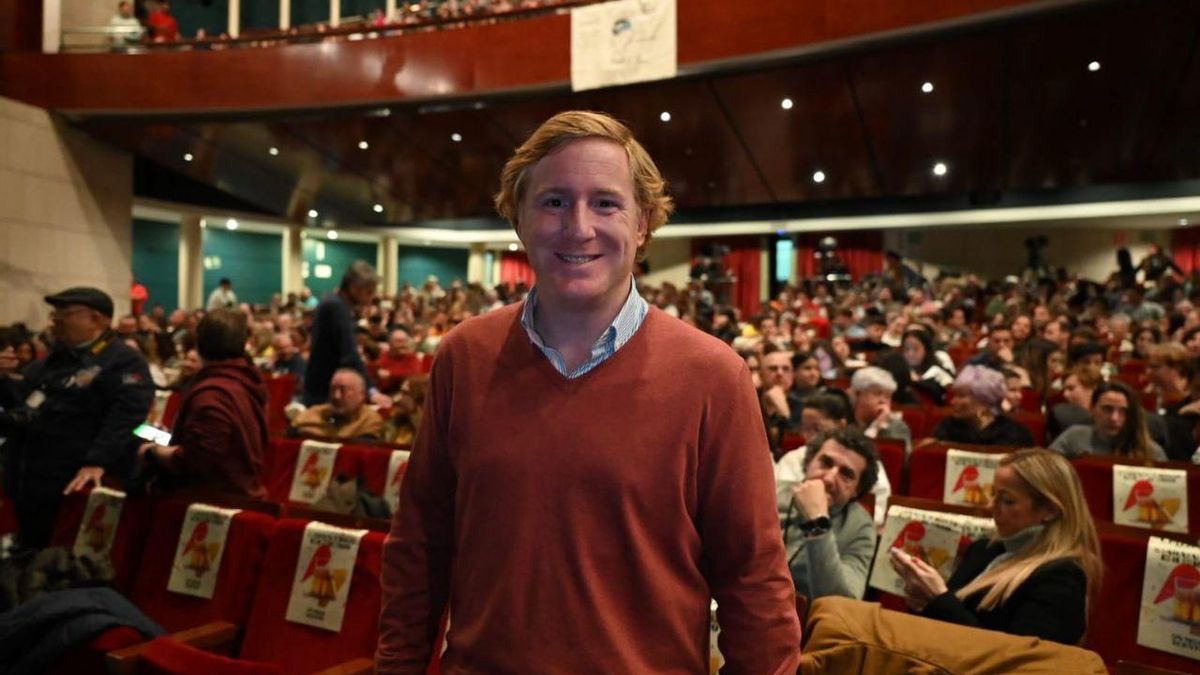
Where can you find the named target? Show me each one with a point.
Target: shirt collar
(619, 332)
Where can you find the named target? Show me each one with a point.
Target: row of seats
(1114, 612)
(253, 587)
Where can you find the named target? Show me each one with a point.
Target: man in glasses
(80, 406)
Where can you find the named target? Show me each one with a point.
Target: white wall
(66, 203)
(997, 251)
(670, 260)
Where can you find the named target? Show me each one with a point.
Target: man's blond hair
(649, 188)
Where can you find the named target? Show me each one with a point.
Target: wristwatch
(816, 527)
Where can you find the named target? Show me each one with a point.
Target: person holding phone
(1034, 577)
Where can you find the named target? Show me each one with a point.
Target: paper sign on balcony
(397, 467)
(314, 466)
(1169, 619)
(200, 550)
(324, 569)
(98, 528)
(1150, 497)
(622, 42)
(969, 477)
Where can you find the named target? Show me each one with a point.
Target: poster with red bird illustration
(397, 467)
(1150, 497)
(98, 527)
(314, 467)
(201, 546)
(324, 569)
(969, 477)
(1170, 613)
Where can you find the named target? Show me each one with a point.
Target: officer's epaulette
(99, 346)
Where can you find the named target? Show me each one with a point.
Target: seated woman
(1034, 577)
(1118, 428)
(932, 370)
(976, 417)
(807, 371)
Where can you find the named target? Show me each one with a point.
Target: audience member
(399, 362)
(977, 416)
(1118, 428)
(220, 433)
(80, 408)
(222, 296)
(1036, 575)
(830, 538)
(346, 416)
(333, 335)
(1076, 406)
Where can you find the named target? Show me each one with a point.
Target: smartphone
(149, 433)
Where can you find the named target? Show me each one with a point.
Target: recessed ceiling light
(927, 88)
(187, 157)
(231, 224)
(456, 137)
(786, 104)
(428, 242)
(378, 208)
(665, 116)
(332, 234)
(1183, 222)
(1094, 66)
(312, 213)
(273, 151)
(940, 169)
(818, 176)
(363, 145)
(513, 247)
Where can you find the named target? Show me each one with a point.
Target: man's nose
(578, 223)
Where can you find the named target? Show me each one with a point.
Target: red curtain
(744, 263)
(515, 268)
(1185, 248)
(861, 250)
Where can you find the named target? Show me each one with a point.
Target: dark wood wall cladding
(458, 62)
(20, 26)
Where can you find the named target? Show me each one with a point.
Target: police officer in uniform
(81, 405)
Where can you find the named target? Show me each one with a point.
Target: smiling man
(572, 499)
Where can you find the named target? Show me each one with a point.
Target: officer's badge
(84, 377)
(131, 378)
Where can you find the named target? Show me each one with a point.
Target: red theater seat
(1035, 423)
(171, 410)
(914, 417)
(1096, 476)
(165, 656)
(249, 533)
(280, 390)
(297, 648)
(129, 540)
(927, 467)
(1113, 622)
(891, 453)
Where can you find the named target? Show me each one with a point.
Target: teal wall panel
(156, 261)
(362, 8)
(415, 264)
(305, 12)
(211, 15)
(326, 261)
(253, 261)
(260, 14)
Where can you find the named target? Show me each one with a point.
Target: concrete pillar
(235, 18)
(51, 25)
(293, 259)
(191, 262)
(285, 14)
(390, 9)
(389, 265)
(476, 274)
(335, 13)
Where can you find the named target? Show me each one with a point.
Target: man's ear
(643, 227)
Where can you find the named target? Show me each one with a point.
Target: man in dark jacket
(81, 404)
(221, 432)
(334, 341)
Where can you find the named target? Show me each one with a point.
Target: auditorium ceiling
(1105, 97)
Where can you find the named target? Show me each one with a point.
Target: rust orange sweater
(582, 525)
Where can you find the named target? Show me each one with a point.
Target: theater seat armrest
(217, 636)
(355, 667)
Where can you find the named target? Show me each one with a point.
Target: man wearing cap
(81, 405)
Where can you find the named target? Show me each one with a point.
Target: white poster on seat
(324, 569)
(1169, 619)
(1150, 497)
(397, 467)
(934, 536)
(969, 477)
(200, 549)
(622, 42)
(314, 467)
(98, 527)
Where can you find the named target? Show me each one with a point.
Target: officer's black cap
(83, 295)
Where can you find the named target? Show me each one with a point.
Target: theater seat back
(241, 562)
(129, 541)
(165, 656)
(298, 648)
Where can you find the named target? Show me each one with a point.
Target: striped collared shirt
(628, 321)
